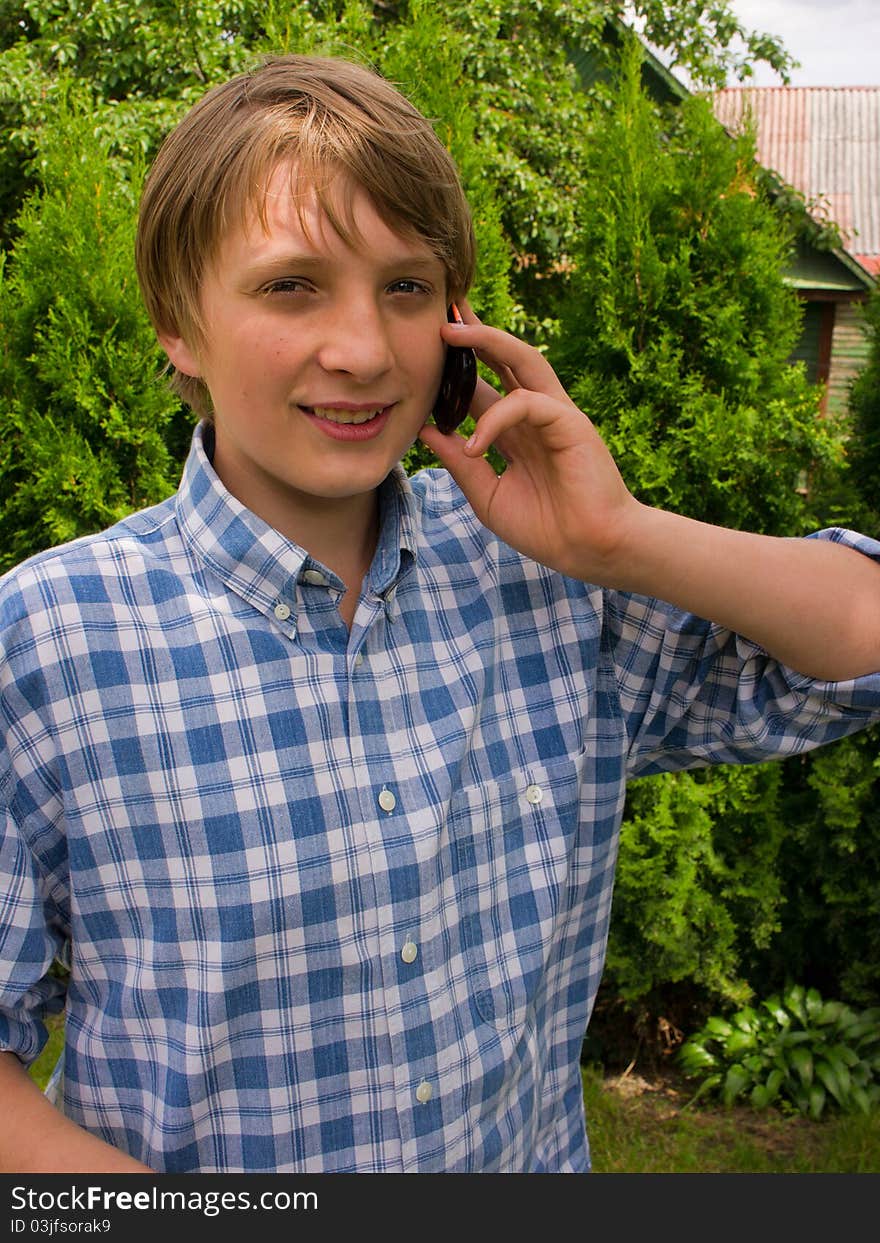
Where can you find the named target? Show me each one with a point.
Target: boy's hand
(812, 604)
(561, 500)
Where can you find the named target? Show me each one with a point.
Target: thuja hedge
(676, 332)
(88, 431)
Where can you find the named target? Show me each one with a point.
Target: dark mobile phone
(457, 383)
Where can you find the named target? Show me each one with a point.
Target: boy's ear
(180, 355)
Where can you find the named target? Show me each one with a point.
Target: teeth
(345, 416)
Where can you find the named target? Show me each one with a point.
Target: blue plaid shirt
(339, 901)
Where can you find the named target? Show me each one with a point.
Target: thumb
(474, 475)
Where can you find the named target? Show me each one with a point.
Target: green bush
(87, 430)
(676, 343)
(680, 324)
(864, 445)
(829, 865)
(795, 1051)
(698, 895)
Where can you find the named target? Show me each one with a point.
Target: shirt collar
(397, 546)
(258, 563)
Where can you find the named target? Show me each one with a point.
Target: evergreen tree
(87, 431)
(863, 446)
(675, 342)
(679, 323)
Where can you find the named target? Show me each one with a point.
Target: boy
(317, 772)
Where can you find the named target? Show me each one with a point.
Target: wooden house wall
(849, 354)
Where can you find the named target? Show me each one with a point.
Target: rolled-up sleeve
(693, 693)
(31, 938)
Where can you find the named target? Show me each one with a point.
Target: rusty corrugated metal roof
(824, 141)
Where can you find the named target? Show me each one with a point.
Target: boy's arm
(36, 1139)
(812, 604)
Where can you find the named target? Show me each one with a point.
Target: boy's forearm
(813, 604)
(36, 1139)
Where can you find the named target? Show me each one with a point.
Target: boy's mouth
(335, 415)
(354, 423)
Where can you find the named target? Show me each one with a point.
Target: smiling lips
(334, 414)
(350, 422)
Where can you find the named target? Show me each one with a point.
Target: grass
(639, 1126)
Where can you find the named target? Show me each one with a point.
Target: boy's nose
(357, 342)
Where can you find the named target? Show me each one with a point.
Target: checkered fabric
(339, 901)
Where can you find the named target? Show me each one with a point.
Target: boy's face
(322, 359)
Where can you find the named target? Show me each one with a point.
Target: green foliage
(863, 447)
(698, 893)
(732, 879)
(679, 324)
(86, 432)
(708, 41)
(828, 867)
(795, 1050)
(152, 48)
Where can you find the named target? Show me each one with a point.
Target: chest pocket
(511, 842)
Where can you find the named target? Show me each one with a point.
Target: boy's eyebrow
(305, 260)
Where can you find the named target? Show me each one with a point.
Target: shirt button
(387, 801)
(424, 1092)
(410, 951)
(282, 611)
(534, 794)
(359, 659)
(315, 577)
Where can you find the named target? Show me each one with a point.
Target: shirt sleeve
(693, 693)
(31, 938)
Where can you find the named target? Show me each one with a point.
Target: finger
(507, 377)
(504, 422)
(474, 475)
(468, 314)
(484, 397)
(517, 364)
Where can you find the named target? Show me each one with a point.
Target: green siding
(849, 353)
(807, 348)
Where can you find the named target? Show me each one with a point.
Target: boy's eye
(286, 285)
(409, 286)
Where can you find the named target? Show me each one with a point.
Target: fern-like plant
(795, 1051)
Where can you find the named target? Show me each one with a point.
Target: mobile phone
(457, 383)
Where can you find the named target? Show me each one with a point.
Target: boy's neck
(339, 532)
(345, 542)
(346, 546)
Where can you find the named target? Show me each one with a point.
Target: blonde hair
(332, 117)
